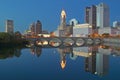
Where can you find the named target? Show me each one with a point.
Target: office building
(38, 27)
(103, 17)
(82, 30)
(9, 26)
(90, 16)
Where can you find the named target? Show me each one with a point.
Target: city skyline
(24, 13)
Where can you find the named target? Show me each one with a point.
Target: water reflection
(9, 52)
(36, 51)
(96, 58)
(63, 52)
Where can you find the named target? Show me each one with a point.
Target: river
(73, 63)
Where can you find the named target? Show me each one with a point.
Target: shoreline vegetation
(14, 39)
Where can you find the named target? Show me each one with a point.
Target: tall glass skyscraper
(102, 15)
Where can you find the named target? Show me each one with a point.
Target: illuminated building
(63, 20)
(102, 15)
(62, 26)
(82, 30)
(9, 26)
(38, 27)
(63, 29)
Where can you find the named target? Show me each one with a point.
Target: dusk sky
(25, 12)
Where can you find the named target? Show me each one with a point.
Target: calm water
(80, 63)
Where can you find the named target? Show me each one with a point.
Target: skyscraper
(32, 28)
(9, 26)
(87, 14)
(63, 20)
(62, 26)
(38, 27)
(90, 16)
(102, 15)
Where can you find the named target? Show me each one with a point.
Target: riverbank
(20, 42)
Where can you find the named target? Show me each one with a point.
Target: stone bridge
(65, 41)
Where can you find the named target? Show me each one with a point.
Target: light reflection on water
(86, 63)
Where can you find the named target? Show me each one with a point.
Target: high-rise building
(102, 15)
(63, 20)
(62, 25)
(116, 24)
(32, 28)
(38, 27)
(9, 26)
(87, 14)
(90, 16)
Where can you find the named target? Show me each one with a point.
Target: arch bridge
(65, 41)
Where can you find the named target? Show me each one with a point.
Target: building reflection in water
(96, 61)
(90, 61)
(63, 52)
(36, 51)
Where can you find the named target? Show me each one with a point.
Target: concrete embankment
(111, 40)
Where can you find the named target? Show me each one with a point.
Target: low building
(44, 35)
(116, 24)
(82, 30)
(108, 30)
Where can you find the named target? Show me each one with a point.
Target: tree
(5, 37)
(17, 35)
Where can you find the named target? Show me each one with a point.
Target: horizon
(48, 13)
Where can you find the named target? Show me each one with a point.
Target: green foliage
(5, 37)
(12, 39)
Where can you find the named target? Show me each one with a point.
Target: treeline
(14, 39)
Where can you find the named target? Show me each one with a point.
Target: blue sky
(25, 12)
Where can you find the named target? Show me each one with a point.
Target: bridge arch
(55, 42)
(68, 42)
(80, 42)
